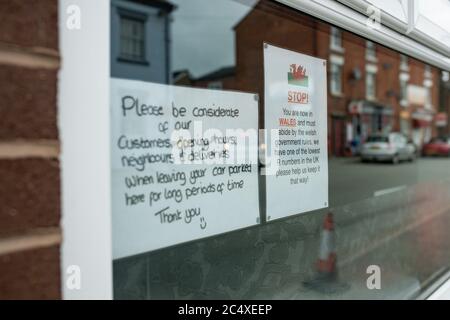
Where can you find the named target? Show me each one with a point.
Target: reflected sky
(202, 31)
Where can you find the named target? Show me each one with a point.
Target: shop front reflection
(371, 90)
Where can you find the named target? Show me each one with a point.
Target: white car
(393, 147)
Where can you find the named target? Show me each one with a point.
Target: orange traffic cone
(326, 265)
(326, 280)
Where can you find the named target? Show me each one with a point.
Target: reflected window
(370, 85)
(403, 93)
(132, 36)
(371, 54)
(404, 63)
(336, 79)
(336, 39)
(428, 103)
(427, 72)
(445, 76)
(215, 85)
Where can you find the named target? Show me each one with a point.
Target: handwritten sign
(184, 164)
(296, 121)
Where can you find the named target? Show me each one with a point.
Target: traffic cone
(326, 265)
(326, 278)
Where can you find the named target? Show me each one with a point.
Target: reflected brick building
(371, 88)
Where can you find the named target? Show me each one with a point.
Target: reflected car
(437, 147)
(393, 147)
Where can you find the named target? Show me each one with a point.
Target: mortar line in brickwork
(38, 238)
(18, 149)
(35, 57)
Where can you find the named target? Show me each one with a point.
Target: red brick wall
(29, 149)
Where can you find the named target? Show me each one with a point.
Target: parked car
(437, 147)
(393, 147)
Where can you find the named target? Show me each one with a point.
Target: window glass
(388, 207)
(404, 63)
(132, 39)
(370, 50)
(370, 85)
(336, 78)
(336, 38)
(403, 86)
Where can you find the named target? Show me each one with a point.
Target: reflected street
(351, 180)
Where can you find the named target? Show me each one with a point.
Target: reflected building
(223, 78)
(140, 40)
(371, 88)
(442, 118)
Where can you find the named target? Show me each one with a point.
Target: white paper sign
(184, 164)
(296, 122)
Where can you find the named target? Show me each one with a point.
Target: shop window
(379, 209)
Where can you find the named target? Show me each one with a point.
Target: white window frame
(126, 15)
(406, 17)
(354, 19)
(84, 131)
(442, 293)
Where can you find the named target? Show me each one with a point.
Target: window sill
(132, 61)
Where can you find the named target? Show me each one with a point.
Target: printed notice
(184, 164)
(296, 141)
